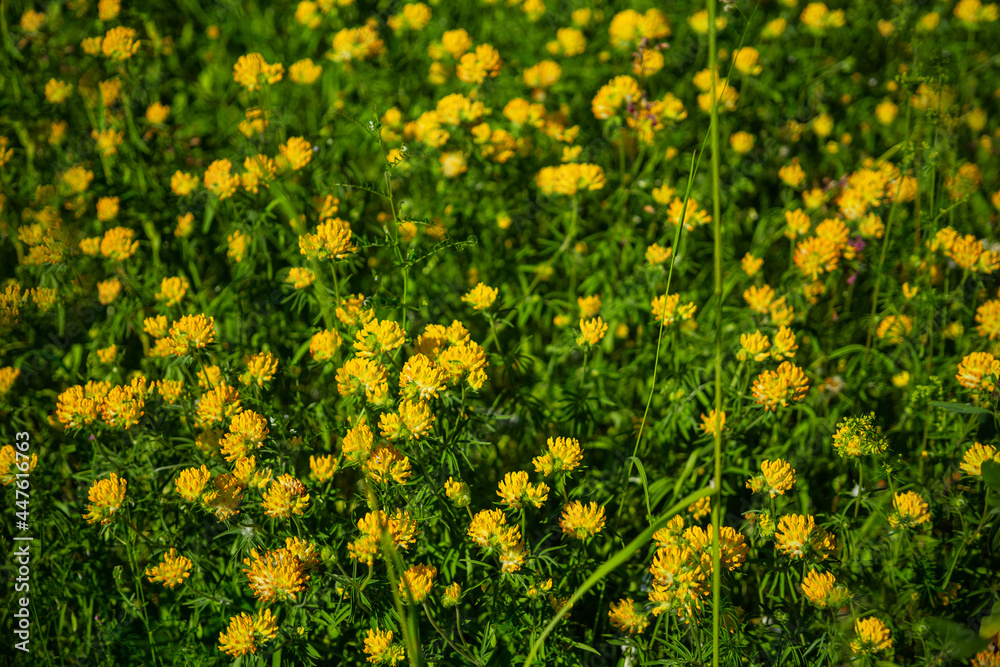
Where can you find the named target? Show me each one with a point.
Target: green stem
(717, 271)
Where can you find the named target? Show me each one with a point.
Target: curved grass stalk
(611, 564)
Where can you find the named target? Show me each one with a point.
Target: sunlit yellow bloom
(120, 43)
(774, 388)
(516, 491)
(11, 465)
(108, 290)
(380, 649)
(481, 296)
(401, 528)
(284, 497)
(592, 331)
(172, 570)
(754, 346)
(332, 240)
(416, 582)
(106, 497)
(817, 17)
(191, 332)
(415, 16)
(822, 590)
(191, 482)
(251, 71)
(300, 278)
(627, 617)
(261, 367)
(305, 72)
(909, 510)
(118, 244)
(182, 183)
(378, 337)
(872, 636)
(799, 533)
(457, 492)
(657, 254)
(859, 435)
(172, 290)
(978, 371)
(581, 521)
(219, 180)
(476, 66)
(562, 455)
(358, 43)
(975, 456)
(776, 477)
(246, 634)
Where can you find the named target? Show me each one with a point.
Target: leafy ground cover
(499, 333)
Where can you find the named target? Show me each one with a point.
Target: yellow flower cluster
(251, 71)
(106, 497)
(171, 571)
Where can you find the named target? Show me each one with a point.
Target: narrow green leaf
(963, 408)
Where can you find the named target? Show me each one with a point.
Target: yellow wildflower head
(581, 521)
(106, 497)
(872, 637)
(172, 570)
(908, 510)
(562, 455)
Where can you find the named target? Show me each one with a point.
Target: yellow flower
(973, 12)
(988, 319)
(894, 328)
(246, 433)
(627, 617)
(784, 344)
(295, 153)
(322, 468)
(387, 463)
(667, 309)
(799, 533)
(754, 346)
(107, 354)
(515, 490)
(378, 337)
(31, 20)
(477, 66)
(401, 528)
(172, 290)
(420, 378)
(356, 43)
(261, 367)
(183, 184)
(277, 575)
(332, 240)
(78, 178)
(452, 594)
(107, 208)
(251, 71)
(872, 636)
(909, 510)
(191, 332)
(859, 435)
(245, 634)
(284, 497)
(592, 331)
(415, 16)
(108, 290)
(741, 142)
(791, 174)
(416, 582)
(171, 571)
(106, 497)
(978, 371)
(120, 43)
(976, 456)
(657, 254)
(362, 373)
(8, 375)
(774, 388)
(108, 9)
(776, 477)
(380, 649)
(238, 243)
(118, 244)
(300, 278)
(259, 170)
(156, 113)
(457, 492)
(305, 72)
(219, 180)
(746, 61)
(191, 482)
(562, 455)
(581, 521)
(822, 589)
(713, 423)
(481, 296)
(57, 91)
(489, 530)
(817, 17)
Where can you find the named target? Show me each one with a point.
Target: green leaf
(991, 474)
(957, 639)
(963, 408)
